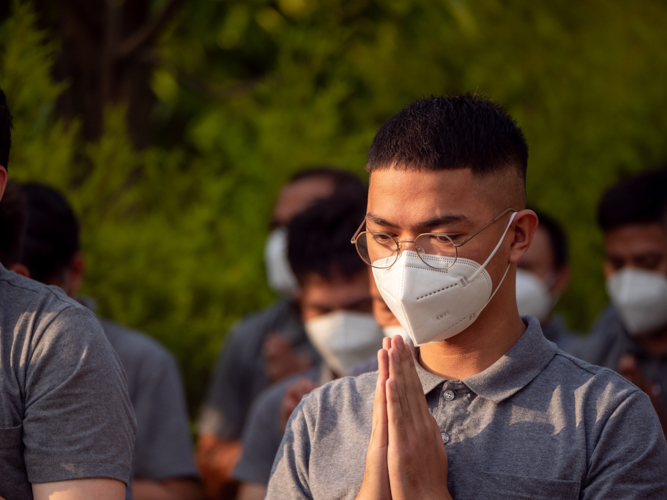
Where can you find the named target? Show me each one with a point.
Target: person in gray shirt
(631, 334)
(266, 346)
(485, 408)
(336, 305)
(163, 461)
(543, 275)
(66, 422)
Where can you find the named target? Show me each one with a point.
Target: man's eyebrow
(429, 223)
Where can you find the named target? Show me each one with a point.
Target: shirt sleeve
(261, 437)
(78, 420)
(630, 458)
(164, 449)
(289, 476)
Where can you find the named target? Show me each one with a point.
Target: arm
(80, 489)
(216, 459)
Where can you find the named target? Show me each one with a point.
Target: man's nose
(406, 245)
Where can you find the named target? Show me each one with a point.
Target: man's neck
(475, 349)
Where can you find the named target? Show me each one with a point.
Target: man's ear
(3, 180)
(77, 270)
(20, 269)
(525, 225)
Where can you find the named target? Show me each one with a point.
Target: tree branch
(142, 37)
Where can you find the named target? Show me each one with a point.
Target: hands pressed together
(406, 458)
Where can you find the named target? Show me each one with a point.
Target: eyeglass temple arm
(507, 210)
(356, 233)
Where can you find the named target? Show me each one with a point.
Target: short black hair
(52, 235)
(345, 183)
(640, 199)
(5, 131)
(557, 239)
(450, 132)
(319, 238)
(13, 219)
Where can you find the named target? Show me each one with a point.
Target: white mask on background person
(390, 331)
(533, 296)
(278, 271)
(436, 304)
(344, 338)
(640, 297)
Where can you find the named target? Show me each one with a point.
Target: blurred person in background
(336, 308)
(542, 276)
(67, 428)
(631, 334)
(268, 345)
(163, 464)
(13, 222)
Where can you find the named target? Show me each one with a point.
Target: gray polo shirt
(241, 371)
(537, 424)
(610, 340)
(163, 449)
(556, 332)
(64, 408)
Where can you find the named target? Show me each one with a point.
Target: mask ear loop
(483, 266)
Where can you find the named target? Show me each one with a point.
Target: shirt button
(445, 437)
(449, 395)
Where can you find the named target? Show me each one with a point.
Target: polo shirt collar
(511, 373)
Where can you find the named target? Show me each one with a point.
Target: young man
(543, 275)
(66, 423)
(336, 308)
(631, 335)
(163, 466)
(487, 408)
(266, 346)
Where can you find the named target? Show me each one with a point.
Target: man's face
(295, 197)
(642, 246)
(321, 296)
(405, 204)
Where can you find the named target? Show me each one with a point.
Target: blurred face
(321, 296)
(640, 246)
(295, 197)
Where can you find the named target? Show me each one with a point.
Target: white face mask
(641, 299)
(533, 296)
(390, 331)
(278, 271)
(344, 339)
(436, 304)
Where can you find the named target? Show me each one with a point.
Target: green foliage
(248, 92)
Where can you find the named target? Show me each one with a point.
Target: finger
(414, 389)
(396, 374)
(379, 431)
(396, 429)
(386, 343)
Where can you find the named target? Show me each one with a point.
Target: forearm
(80, 489)
(216, 459)
(175, 489)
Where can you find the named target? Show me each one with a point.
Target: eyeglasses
(436, 250)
